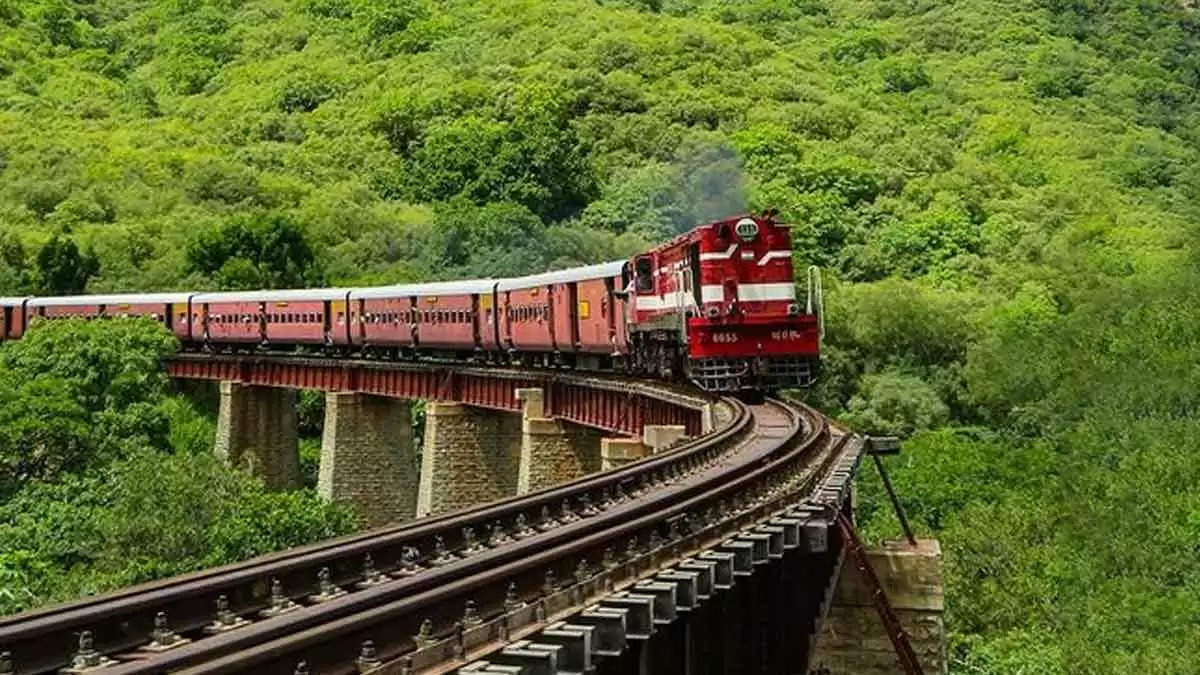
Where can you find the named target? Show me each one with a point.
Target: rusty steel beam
(623, 407)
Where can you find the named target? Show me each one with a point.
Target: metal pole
(887, 484)
(895, 632)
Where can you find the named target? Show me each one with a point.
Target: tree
(75, 394)
(62, 269)
(492, 240)
(265, 250)
(144, 517)
(14, 268)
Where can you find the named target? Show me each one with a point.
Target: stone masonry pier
(470, 456)
(853, 640)
(490, 433)
(368, 458)
(256, 431)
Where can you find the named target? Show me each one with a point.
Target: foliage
(257, 251)
(62, 270)
(144, 517)
(892, 403)
(107, 478)
(77, 394)
(1001, 196)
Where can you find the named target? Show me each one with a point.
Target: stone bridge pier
(853, 640)
(367, 456)
(470, 455)
(256, 431)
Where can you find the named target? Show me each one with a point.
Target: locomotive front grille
(732, 375)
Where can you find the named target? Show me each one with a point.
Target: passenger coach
(716, 306)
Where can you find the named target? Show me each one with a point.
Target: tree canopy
(1003, 197)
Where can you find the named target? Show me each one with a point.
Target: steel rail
(394, 615)
(47, 640)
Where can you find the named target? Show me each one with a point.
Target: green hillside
(1003, 196)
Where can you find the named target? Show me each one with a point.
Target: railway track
(415, 594)
(121, 624)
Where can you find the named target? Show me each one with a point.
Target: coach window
(644, 272)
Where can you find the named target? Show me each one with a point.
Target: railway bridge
(570, 523)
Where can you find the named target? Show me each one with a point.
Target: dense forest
(1003, 197)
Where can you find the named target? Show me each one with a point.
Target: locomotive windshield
(644, 272)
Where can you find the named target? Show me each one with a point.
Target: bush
(77, 394)
(264, 250)
(893, 403)
(145, 517)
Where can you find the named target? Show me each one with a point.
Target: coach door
(573, 313)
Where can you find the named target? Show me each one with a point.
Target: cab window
(644, 274)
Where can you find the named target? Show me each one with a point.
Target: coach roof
(464, 287)
(116, 299)
(284, 295)
(601, 271)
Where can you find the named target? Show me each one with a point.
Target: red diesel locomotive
(716, 306)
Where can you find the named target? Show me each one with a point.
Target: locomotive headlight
(746, 229)
(794, 309)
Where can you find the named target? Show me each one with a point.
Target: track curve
(549, 543)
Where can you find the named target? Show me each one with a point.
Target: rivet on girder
(655, 540)
(326, 590)
(631, 549)
(368, 657)
(408, 561)
(522, 528)
(581, 571)
(301, 668)
(162, 637)
(549, 584)
(618, 493)
(88, 657)
(6, 664)
(225, 619)
(587, 510)
(610, 559)
(568, 516)
(371, 575)
(471, 545)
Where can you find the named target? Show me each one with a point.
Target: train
(716, 306)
